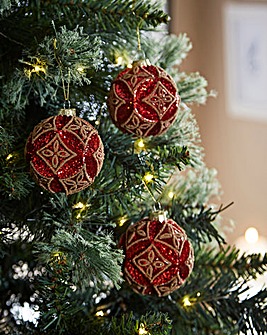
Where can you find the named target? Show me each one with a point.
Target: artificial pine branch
(58, 59)
(57, 251)
(87, 257)
(6, 141)
(171, 49)
(197, 221)
(215, 292)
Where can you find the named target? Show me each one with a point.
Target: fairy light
(59, 257)
(9, 157)
(186, 301)
(56, 254)
(79, 205)
(142, 330)
(189, 301)
(100, 313)
(37, 67)
(122, 220)
(80, 69)
(119, 60)
(170, 194)
(139, 145)
(148, 177)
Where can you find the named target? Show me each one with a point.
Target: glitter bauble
(158, 256)
(143, 100)
(65, 154)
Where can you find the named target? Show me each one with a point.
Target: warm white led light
(142, 330)
(251, 235)
(78, 205)
(80, 69)
(119, 60)
(9, 157)
(122, 220)
(140, 143)
(170, 194)
(186, 301)
(148, 177)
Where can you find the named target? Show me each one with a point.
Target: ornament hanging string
(169, 179)
(66, 92)
(157, 202)
(138, 30)
(138, 36)
(157, 212)
(139, 48)
(149, 191)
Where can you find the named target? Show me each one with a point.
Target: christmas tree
(108, 224)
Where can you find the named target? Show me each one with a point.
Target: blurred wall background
(235, 146)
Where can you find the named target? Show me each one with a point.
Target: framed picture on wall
(245, 36)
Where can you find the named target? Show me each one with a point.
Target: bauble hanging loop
(143, 100)
(158, 213)
(65, 153)
(67, 111)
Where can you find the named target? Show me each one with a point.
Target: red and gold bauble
(158, 256)
(65, 153)
(143, 100)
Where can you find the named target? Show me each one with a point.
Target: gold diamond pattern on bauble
(160, 99)
(151, 263)
(55, 153)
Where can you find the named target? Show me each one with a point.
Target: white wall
(236, 147)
